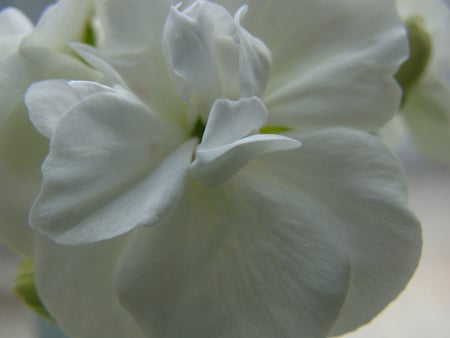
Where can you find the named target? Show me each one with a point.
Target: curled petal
(105, 156)
(210, 55)
(227, 143)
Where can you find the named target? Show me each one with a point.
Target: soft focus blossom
(426, 108)
(212, 185)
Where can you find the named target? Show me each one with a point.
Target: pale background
(421, 311)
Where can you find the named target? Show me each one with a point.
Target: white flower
(180, 197)
(426, 109)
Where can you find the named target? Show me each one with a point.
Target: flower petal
(14, 25)
(195, 41)
(76, 285)
(49, 100)
(22, 148)
(95, 59)
(254, 60)
(353, 176)
(14, 22)
(61, 23)
(236, 262)
(131, 26)
(225, 148)
(107, 172)
(332, 62)
(427, 115)
(229, 121)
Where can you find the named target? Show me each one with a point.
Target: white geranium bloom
(216, 190)
(426, 109)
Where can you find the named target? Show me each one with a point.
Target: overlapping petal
(330, 65)
(73, 15)
(237, 261)
(22, 149)
(229, 141)
(76, 282)
(107, 155)
(366, 193)
(266, 254)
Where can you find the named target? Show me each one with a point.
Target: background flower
(426, 103)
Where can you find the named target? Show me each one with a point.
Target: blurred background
(422, 310)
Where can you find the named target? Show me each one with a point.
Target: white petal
(76, 286)
(14, 22)
(22, 148)
(355, 178)
(236, 262)
(194, 42)
(130, 26)
(332, 62)
(61, 23)
(254, 61)
(225, 146)
(107, 170)
(14, 25)
(95, 59)
(49, 100)
(229, 121)
(427, 116)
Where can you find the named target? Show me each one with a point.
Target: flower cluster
(206, 169)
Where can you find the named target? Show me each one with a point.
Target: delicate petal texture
(254, 61)
(365, 192)
(330, 65)
(71, 15)
(243, 260)
(226, 146)
(210, 55)
(14, 25)
(230, 121)
(76, 285)
(49, 100)
(131, 26)
(106, 171)
(93, 57)
(427, 115)
(202, 54)
(131, 43)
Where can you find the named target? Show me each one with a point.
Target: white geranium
(214, 188)
(426, 108)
